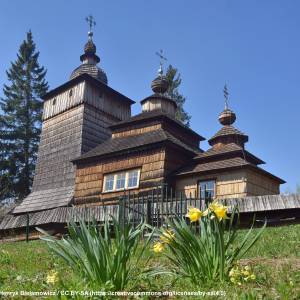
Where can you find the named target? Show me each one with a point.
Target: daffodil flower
(219, 210)
(158, 247)
(52, 277)
(221, 213)
(194, 214)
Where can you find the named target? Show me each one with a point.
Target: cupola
(159, 101)
(228, 134)
(90, 60)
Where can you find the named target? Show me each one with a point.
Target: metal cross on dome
(91, 21)
(226, 94)
(162, 59)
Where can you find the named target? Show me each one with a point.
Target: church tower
(76, 118)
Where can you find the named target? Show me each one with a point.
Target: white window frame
(126, 181)
(116, 179)
(104, 186)
(208, 180)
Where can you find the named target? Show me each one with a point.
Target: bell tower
(76, 118)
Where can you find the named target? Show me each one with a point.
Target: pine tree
(20, 121)
(174, 79)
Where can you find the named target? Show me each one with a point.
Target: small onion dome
(227, 117)
(89, 62)
(90, 52)
(160, 85)
(159, 101)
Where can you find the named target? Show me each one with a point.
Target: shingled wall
(89, 177)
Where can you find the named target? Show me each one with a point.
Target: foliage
(174, 80)
(20, 121)
(274, 260)
(102, 261)
(206, 253)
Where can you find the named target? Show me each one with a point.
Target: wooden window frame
(205, 180)
(115, 174)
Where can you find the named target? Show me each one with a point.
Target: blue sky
(253, 46)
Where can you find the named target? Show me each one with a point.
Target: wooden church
(92, 150)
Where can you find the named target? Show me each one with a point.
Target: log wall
(73, 124)
(228, 184)
(259, 184)
(231, 184)
(88, 93)
(59, 143)
(89, 177)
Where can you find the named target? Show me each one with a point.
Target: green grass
(275, 260)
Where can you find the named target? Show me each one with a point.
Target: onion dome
(227, 117)
(160, 85)
(159, 101)
(89, 62)
(227, 134)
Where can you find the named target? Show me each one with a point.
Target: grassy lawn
(275, 260)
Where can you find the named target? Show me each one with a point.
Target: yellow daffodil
(52, 277)
(252, 276)
(158, 247)
(214, 205)
(167, 236)
(219, 210)
(194, 214)
(221, 213)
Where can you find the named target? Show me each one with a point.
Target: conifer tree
(174, 79)
(20, 121)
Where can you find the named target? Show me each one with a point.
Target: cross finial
(226, 94)
(161, 62)
(91, 22)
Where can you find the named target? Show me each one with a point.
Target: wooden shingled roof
(45, 199)
(59, 215)
(227, 149)
(155, 115)
(222, 165)
(128, 143)
(228, 130)
(264, 203)
(63, 215)
(235, 162)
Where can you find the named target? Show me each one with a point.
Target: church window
(54, 101)
(109, 183)
(121, 178)
(207, 189)
(70, 93)
(121, 181)
(133, 178)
